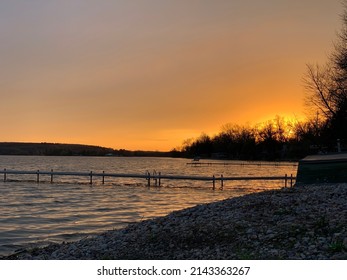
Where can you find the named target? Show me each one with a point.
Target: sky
(149, 74)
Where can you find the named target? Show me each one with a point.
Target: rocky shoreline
(303, 222)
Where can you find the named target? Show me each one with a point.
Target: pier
(154, 179)
(198, 163)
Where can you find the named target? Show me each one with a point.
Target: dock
(198, 163)
(154, 179)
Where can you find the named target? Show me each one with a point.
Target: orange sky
(148, 74)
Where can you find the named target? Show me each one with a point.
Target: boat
(327, 168)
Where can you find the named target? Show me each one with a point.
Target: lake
(36, 214)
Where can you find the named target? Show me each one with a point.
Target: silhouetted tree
(327, 89)
(235, 141)
(202, 146)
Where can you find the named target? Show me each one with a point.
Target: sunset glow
(150, 74)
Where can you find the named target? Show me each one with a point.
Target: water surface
(35, 214)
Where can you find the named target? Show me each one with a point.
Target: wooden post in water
(221, 182)
(5, 175)
(155, 178)
(51, 176)
(159, 178)
(285, 181)
(38, 176)
(103, 177)
(291, 180)
(149, 179)
(213, 182)
(91, 178)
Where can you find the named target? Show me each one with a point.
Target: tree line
(280, 139)
(52, 149)
(59, 149)
(276, 139)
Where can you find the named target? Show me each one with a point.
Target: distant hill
(57, 149)
(52, 149)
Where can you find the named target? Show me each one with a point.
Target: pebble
(302, 222)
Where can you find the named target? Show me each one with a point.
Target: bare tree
(327, 88)
(319, 84)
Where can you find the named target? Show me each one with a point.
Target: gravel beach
(303, 222)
